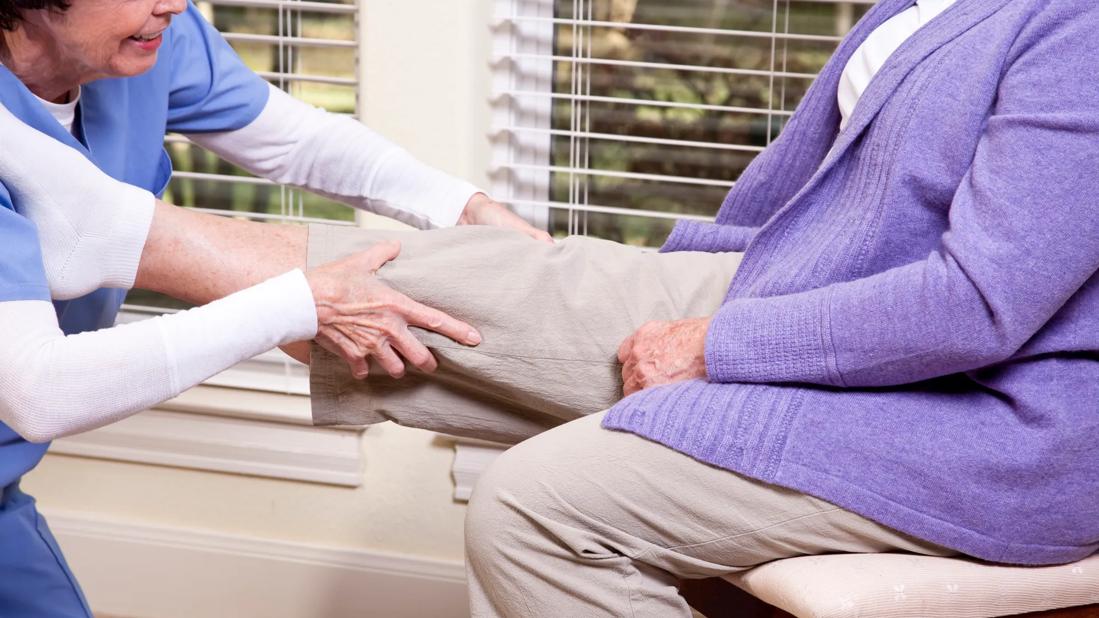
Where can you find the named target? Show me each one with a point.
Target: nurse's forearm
(198, 257)
(57, 385)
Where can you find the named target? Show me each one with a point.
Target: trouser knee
(493, 522)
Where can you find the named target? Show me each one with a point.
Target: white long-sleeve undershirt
(870, 57)
(96, 241)
(57, 385)
(53, 385)
(294, 143)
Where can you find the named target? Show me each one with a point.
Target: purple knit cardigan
(914, 332)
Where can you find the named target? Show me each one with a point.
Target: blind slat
(565, 96)
(619, 25)
(290, 5)
(244, 180)
(583, 171)
(299, 77)
(273, 39)
(610, 210)
(633, 139)
(639, 64)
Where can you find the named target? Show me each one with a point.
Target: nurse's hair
(11, 11)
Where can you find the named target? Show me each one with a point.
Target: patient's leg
(552, 318)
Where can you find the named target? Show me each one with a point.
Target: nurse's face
(109, 38)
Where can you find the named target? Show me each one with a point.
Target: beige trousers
(552, 318)
(575, 520)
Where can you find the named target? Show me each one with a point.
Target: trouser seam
(523, 356)
(784, 522)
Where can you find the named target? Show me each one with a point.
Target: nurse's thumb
(377, 256)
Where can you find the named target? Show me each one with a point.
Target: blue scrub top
(197, 85)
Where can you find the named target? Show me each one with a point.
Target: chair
(900, 586)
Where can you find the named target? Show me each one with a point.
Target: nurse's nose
(169, 7)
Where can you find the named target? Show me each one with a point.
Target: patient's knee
(507, 481)
(532, 491)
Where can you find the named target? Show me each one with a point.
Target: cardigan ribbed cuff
(708, 237)
(779, 339)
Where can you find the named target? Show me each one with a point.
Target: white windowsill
(471, 459)
(226, 444)
(252, 419)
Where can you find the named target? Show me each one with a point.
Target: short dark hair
(11, 11)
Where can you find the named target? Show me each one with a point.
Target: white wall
(426, 80)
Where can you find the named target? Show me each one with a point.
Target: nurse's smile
(54, 52)
(147, 42)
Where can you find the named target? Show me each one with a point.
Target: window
(614, 118)
(308, 49)
(311, 50)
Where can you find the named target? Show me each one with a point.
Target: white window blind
(616, 117)
(311, 50)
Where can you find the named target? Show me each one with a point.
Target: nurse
(108, 79)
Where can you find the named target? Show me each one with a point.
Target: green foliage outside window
(338, 62)
(775, 96)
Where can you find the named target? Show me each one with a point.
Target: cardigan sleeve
(709, 237)
(1023, 239)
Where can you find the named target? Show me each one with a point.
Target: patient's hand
(663, 353)
(359, 316)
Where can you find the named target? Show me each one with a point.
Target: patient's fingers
(625, 349)
(631, 386)
(630, 383)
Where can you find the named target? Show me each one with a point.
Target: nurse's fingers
(377, 255)
(388, 359)
(417, 314)
(339, 344)
(414, 352)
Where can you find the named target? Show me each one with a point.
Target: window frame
(253, 418)
(522, 163)
(273, 371)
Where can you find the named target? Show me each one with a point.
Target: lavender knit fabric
(914, 332)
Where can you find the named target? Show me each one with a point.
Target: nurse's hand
(360, 317)
(483, 210)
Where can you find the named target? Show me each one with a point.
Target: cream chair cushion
(905, 585)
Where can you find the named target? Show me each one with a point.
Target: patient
(904, 357)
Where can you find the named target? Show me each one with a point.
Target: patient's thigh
(552, 317)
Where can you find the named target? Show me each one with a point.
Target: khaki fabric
(552, 318)
(575, 520)
(580, 521)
